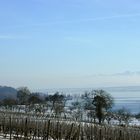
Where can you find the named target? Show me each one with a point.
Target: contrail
(112, 17)
(96, 19)
(45, 23)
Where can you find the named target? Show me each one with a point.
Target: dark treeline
(94, 106)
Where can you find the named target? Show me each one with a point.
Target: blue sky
(69, 43)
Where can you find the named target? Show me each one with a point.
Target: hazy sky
(69, 43)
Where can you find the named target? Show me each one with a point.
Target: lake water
(129, 100)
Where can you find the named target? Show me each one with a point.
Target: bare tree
(9, 102)
(23, 94)
(123, 115)
(77, 110)
(88, 106)
(57, 103)
(102, 102)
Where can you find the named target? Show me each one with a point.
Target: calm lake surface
(129, 100)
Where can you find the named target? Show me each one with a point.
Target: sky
(69, 43)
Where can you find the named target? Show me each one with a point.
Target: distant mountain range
(6, 92)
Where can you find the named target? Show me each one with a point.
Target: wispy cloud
(125, 73)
